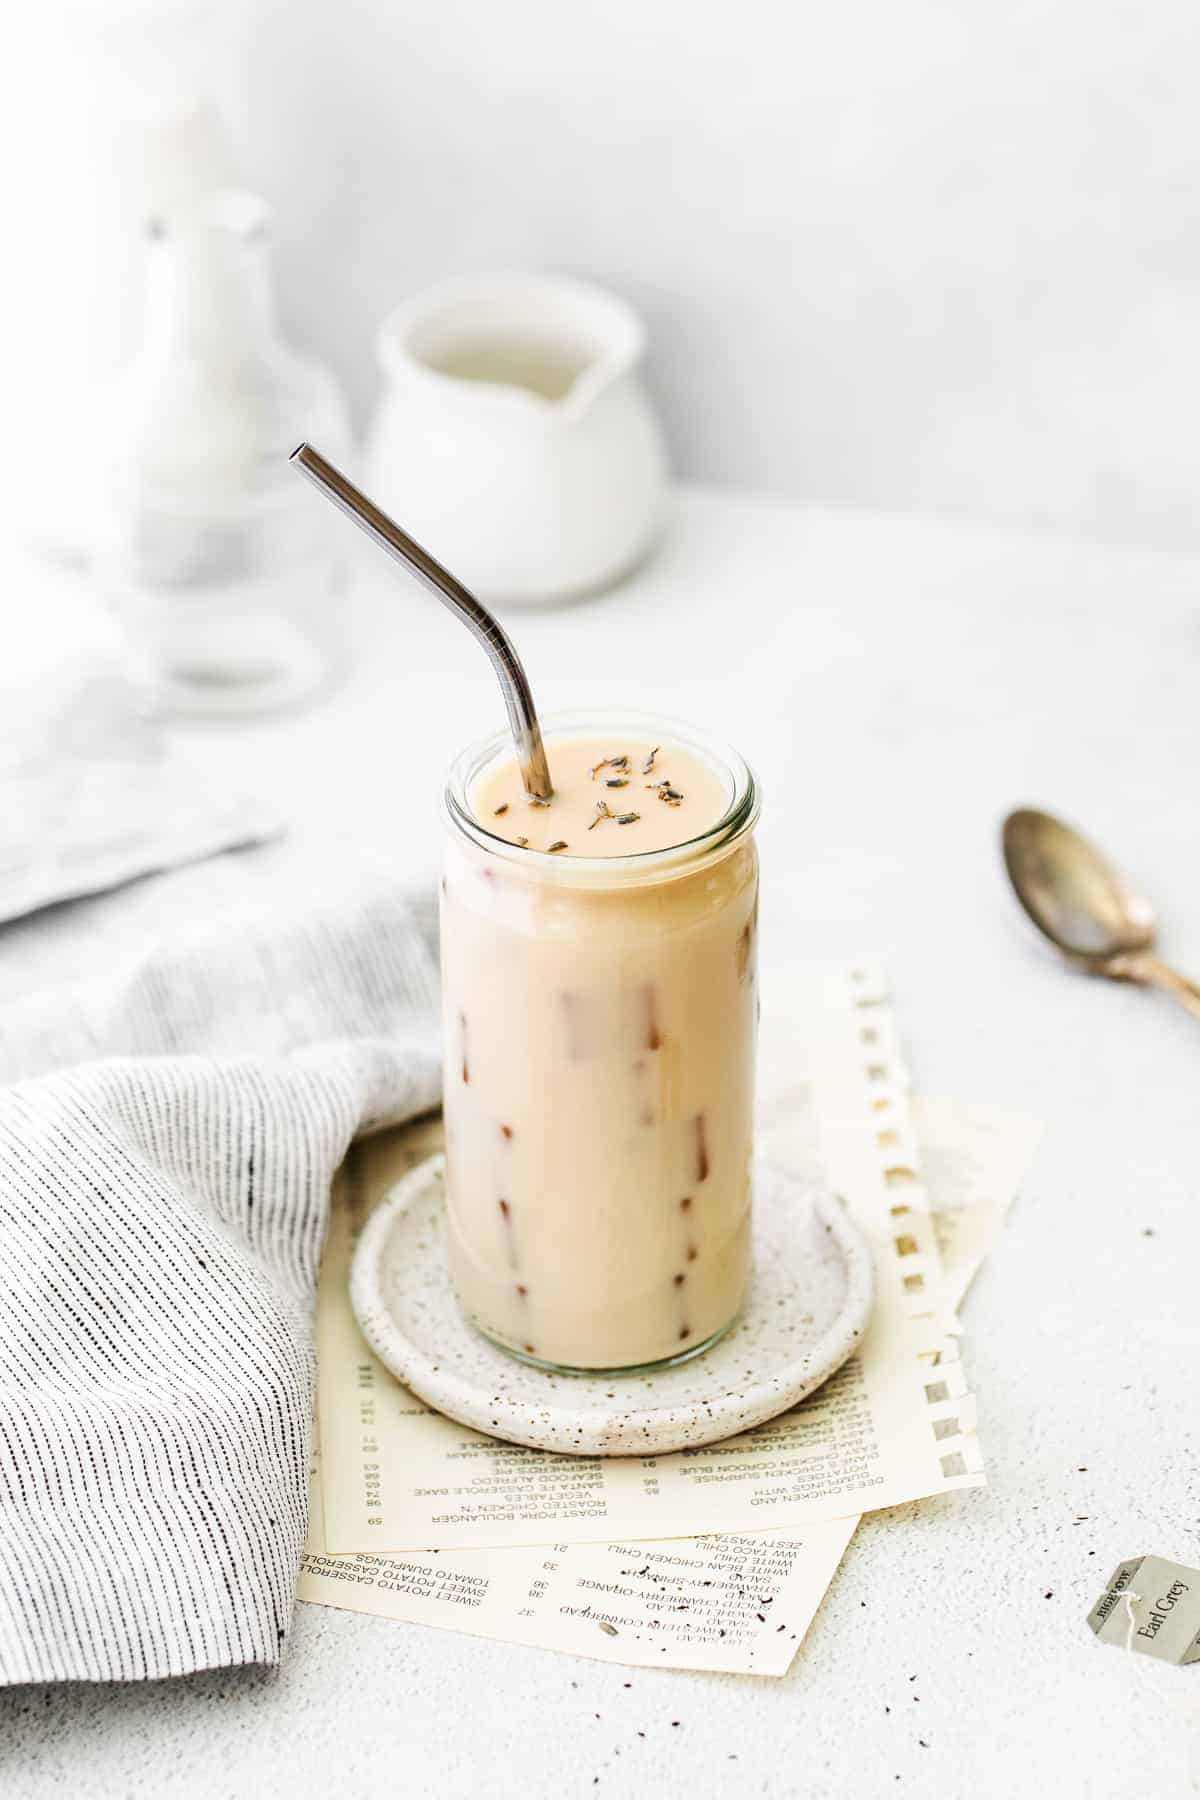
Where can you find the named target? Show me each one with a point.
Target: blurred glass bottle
(220, 567)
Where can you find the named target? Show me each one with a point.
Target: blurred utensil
(518, 697)
(1085, 906)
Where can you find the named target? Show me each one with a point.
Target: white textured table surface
(898, 685)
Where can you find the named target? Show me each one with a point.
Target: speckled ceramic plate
(807, 1309)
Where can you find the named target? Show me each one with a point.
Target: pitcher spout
(551, 345)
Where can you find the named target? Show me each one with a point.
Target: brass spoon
(1086, 907)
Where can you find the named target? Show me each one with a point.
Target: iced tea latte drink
(598, 963)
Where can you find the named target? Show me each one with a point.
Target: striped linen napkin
(186, 1060)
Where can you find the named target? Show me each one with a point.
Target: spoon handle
(1145, 967)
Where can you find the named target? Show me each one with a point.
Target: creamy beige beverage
(600, 1012)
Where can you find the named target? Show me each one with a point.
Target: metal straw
(518, 700)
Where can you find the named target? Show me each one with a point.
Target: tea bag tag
(1151, 1606)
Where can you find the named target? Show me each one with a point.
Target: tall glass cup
(600, 1023)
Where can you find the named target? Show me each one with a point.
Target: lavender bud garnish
(609, 762)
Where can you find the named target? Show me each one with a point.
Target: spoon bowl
(1085, 906)
(1071, 891)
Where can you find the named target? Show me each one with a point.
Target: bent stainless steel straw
(514, 684)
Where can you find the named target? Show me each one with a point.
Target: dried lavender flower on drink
(558, 844)
(602, 812)
(609, 762)
(649, 762)
(502, 808)
(628, 818)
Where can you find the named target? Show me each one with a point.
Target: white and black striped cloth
(186, 1061)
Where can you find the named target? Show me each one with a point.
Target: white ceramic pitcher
(514, 439)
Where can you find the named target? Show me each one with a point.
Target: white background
(928, 255)
(937, 255)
